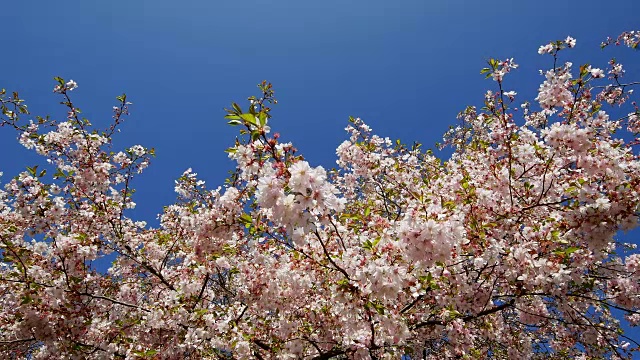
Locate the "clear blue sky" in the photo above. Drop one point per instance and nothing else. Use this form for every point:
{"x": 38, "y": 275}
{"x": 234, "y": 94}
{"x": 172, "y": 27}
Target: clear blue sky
{"x": 406, "y": 67}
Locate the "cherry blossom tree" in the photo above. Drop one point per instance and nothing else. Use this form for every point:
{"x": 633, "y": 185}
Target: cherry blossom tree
{"x": 505, "y": 250}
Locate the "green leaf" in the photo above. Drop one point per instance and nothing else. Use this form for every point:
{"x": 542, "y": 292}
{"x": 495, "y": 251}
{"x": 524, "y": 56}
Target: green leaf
{"x": 255, "y": 135}
{"x": 345, "y": 216}
{"x": 572, "y": 190}
{"x": 449, "y": 205}
{"x": 32, "y": 170}
{"x": 146, "y": 354}
{"x": 376, "y": 241}
{"x": 583, "y": 70}
{"x": 250, "y": 118}
{"x": 263, "y": 119}
{"x": 246, "y": 220}
{"x": 571, "y": 250}
{"x": 232, "y": 117}
{"x": 566, "y": 252}
{"x": 379, "y": 308}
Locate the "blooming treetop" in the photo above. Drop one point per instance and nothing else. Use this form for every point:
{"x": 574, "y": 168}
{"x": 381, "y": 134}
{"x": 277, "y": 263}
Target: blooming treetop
{"x": 505, "y": 250}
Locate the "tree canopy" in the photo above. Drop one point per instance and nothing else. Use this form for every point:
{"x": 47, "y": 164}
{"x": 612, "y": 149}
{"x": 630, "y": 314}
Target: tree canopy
{"x": 506, "y": 249}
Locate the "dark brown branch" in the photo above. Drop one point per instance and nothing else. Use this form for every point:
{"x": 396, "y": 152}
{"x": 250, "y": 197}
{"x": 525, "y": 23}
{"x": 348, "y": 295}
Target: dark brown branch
{"x": 326, "y": 253}
{"x": 493, "y": 310}
{"x": 204, "y": 286}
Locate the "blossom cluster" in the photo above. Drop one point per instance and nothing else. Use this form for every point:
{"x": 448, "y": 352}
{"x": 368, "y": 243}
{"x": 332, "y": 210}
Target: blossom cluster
{"x": 505, "y": 250}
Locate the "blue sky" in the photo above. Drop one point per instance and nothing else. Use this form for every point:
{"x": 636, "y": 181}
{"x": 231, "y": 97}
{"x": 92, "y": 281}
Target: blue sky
{"x": 406, "y": 67}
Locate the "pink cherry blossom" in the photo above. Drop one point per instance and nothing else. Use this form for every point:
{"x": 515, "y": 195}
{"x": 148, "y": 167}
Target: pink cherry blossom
{"x": 505, "y": 250}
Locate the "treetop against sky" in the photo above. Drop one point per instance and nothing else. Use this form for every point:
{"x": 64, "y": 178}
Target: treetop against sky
{"x": 511, "y": 239}
{"x": 507, "y": 249}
